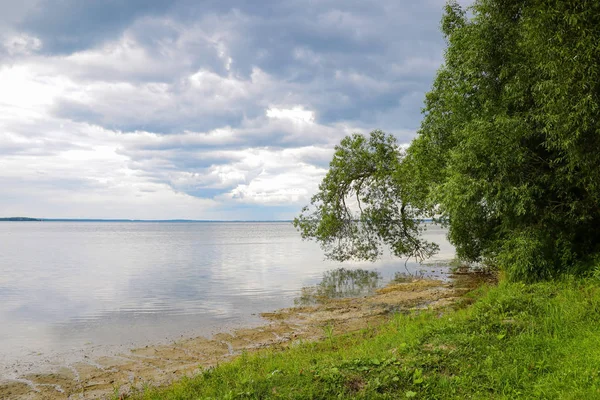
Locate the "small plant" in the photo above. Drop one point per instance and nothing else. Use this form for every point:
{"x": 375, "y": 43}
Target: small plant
{"x": 328, "y": 329}
{"x": 596, "y": 271}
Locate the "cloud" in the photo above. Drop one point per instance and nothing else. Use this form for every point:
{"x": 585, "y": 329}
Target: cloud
{"x": 21, "y": 45}
{"x": 296, "y": 115}
{"x": 71, "y": 25}
{"x": 213, "y": 109}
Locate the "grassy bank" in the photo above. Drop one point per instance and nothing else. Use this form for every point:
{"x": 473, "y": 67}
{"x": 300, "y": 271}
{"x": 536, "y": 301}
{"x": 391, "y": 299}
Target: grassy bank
{"x": 513, "y": 341}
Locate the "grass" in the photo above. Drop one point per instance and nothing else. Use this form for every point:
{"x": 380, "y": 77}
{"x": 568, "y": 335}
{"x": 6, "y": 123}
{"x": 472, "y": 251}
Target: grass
{"x": 539, "y": 341}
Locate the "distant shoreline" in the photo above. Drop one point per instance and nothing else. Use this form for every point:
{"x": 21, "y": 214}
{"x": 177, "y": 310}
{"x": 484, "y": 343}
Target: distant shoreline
{"x": 28, "y": 219}
{"x": 19, "y": 219}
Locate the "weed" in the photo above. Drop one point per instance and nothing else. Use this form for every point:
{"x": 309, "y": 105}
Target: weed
{"x": 328, "y": 329}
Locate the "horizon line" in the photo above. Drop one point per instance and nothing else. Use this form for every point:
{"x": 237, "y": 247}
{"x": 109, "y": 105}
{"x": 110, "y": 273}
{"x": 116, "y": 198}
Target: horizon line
{"x": 37, "y": 219}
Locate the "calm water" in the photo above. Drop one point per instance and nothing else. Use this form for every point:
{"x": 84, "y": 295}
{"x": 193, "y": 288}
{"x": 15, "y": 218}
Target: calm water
{"x": 69, "y": 288}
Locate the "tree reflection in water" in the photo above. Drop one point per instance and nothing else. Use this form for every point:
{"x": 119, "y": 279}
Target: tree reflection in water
{"x": 340, "y": 283}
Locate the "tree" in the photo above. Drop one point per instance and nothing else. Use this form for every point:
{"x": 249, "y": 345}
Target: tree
{"x": 363, "y": 203}
{"x": 508, "y": 152}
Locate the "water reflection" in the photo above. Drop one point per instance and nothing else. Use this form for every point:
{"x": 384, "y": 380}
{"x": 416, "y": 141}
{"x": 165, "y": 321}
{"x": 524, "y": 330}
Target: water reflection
{"x": 339, "y": 283}
{"x": 66, "y": 285}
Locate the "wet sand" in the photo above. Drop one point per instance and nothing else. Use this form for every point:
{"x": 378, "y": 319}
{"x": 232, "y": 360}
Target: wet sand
{"x": 102, "y": 377}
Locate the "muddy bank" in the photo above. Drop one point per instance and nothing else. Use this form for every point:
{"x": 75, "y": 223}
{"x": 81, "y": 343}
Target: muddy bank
{"x": 161, "y": 364}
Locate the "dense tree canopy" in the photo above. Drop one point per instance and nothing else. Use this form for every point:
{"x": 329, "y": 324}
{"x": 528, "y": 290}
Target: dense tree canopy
{"x": 508, "y": 152}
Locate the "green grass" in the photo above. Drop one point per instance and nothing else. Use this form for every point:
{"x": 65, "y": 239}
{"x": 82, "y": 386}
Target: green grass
{"x": 539, "y": 341}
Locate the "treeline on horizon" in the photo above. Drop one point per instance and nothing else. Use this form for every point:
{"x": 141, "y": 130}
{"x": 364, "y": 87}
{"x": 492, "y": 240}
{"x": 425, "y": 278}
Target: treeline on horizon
{"x": 507, "y": 155}
{"x": 20, "y": 219}
{"x": 132, "y": 220}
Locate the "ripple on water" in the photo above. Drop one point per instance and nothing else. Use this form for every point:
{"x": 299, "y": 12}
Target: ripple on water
{"x": 71, "y": 288}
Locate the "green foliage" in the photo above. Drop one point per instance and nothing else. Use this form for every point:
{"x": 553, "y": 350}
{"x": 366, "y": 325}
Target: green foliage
{"x": 512, "y": 128}
{"x": 364, "y": 202}
{"x": 536, "y": 341}
{"x": 508, "y": 152}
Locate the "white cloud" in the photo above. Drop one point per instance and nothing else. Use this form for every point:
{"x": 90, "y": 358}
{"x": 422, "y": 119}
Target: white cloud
{"x": 296, "y": 114}
{"x": 24, "y": 90}
{"x": 22, "y": 44}
{"x": 284, "y": 177}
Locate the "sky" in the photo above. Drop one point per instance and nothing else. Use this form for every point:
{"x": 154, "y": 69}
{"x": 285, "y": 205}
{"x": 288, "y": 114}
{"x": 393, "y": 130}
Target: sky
{"x": 211, "y": 109}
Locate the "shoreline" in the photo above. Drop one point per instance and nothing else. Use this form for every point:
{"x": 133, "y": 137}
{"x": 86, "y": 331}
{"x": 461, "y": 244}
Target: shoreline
{"x": 161, "y": 364}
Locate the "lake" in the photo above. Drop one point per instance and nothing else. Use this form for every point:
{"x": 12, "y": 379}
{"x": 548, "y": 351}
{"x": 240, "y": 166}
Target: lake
{"x": 70, "y": 289}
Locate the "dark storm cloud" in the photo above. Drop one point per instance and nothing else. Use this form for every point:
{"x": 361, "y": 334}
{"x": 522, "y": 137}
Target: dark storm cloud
{"x": 66, "y": 26}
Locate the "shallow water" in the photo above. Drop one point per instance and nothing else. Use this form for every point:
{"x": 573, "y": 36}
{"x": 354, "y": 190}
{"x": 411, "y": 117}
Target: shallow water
{"x": 72, "y": 288}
